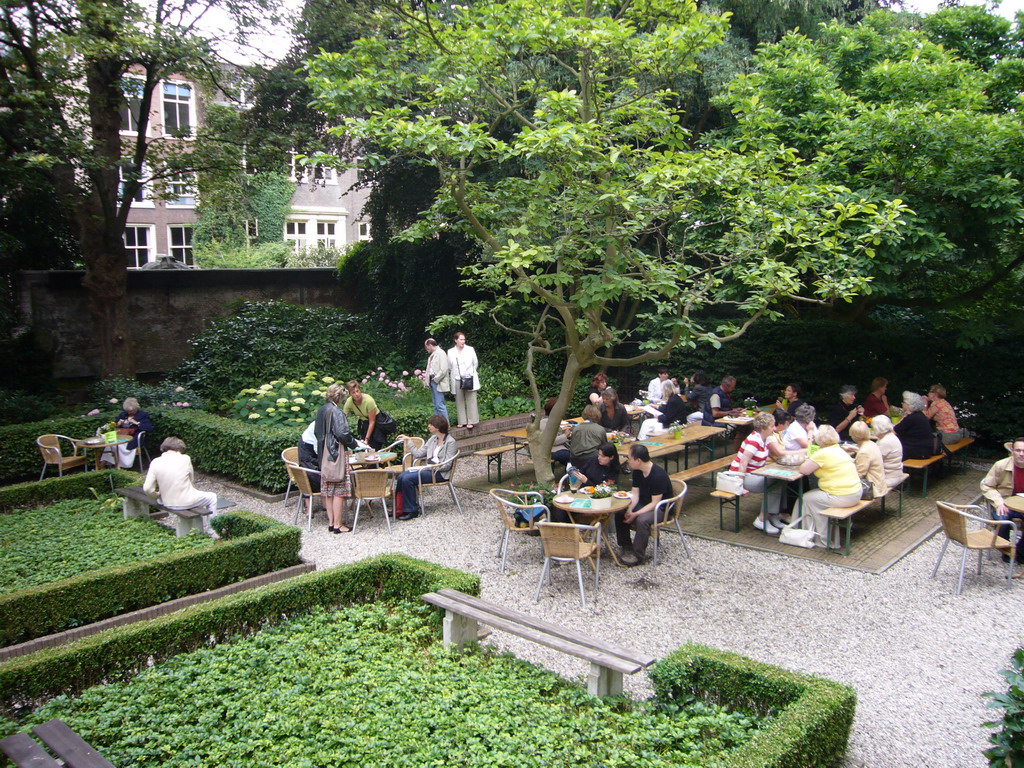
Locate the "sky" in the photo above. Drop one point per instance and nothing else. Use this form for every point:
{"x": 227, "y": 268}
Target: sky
{"x": 274, "y": 44}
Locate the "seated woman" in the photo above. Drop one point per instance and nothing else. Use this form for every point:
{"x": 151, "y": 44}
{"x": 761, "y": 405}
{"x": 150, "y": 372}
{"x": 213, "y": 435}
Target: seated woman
{"x": 439, "y": 450}
{"x": 890, "y": 447}
{"x": 613, "y": 413}
{"x": 171, "y": 479}
{"x": 801, "y": 431}
{"x": 845, "y": 412}
{"x": 752, "y": 455}
{"x": 792, "y": 396}
{"x": 838, "y": 481}
{"x": 130, "y": 421}
{"x": 603, "y": 467}
{"x": 598, "y": 385}
{"x": 876, "y": 403}
{"x": 673, "y": 411}
{"x": 940, "y": 412}
{"x": 782, "y": 420}
{"x": 869, "y": 459}
{"x": 914, "y": 430}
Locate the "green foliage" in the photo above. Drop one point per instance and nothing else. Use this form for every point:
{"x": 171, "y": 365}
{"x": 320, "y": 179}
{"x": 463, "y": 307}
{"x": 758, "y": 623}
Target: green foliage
{"x": 74, "y": 485}
{"x": 109, "y": 394}
{"x": 27, "y": 370}
{"x": 810, "y": 720}
{"x": 129, "y": 571}
{"x": 16, "y": 406}
{"x": 282, "y": 402}
{"x": 266, "y": 340}
{"x": 250, "y": 454}
{"x": 1007, "y": 750}
{"x": 217, "y": 254}
{"x": 48, "y": 544}
{"x": 122, "y": 652}
{"x": 22, "y": 459}
{"x": 315, "y": 256}
{"x": 356, "y": 669}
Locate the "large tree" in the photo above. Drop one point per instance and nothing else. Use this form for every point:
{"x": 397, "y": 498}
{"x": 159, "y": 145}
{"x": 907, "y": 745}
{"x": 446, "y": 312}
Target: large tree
{"x": 887, "y": 111}
{"x": 64, "y": 67}
{"x": 559, "y": 146}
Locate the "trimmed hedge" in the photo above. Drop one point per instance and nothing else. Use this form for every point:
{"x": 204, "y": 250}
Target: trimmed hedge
{"x": 22, "y": 459}
{"x": 77, "y": 485}
{"x": 810, "y": 720}
{"x": 29, "y": 680}
{"x": 247, "y": 453}
{"x": 260, "y": 545}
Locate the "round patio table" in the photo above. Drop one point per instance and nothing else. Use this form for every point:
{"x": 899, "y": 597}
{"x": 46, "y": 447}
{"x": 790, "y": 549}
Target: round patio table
{"x": 99, "y": 444}
{"x": 600, "y": 516}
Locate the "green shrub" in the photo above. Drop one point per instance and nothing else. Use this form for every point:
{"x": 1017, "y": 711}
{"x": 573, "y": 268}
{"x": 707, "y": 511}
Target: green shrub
{"x": 22, "y": 459}
{"x": 109, "y": 394}
{"x": 360, "y": 667}
{"x": 810, "y": 720}
{"x": 121, "y": 652}
{"x": 15, "y": 406}
{"x": 1008, "y": 741}
{"x": 216, "y": 254}
{"x": 74, "y": 485}
{"x": 269, "y": 340}
{"x": 247, "y": 453}
{"x": 263, "y": 545}
{"x": 282, "y": 402}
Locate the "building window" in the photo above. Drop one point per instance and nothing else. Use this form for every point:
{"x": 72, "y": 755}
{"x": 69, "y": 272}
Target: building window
{"x": 295, "y": 232}
{"x": 325, "y": 234}
{"x": 125, "y": 172}
{"x": 181, "y": 191}
{"x": 364, "y": 230}
{"x": 252, "y": 229}
{"x": 180, "y": 239}
{"x": 178, "y": 109}
{"x": 324, "y": 174}
{"x": 137, "y": 243}
{"x": 132, "y": 106}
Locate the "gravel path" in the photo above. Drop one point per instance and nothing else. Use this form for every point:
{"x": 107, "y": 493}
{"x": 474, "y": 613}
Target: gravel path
{"x": 918, "y": 656}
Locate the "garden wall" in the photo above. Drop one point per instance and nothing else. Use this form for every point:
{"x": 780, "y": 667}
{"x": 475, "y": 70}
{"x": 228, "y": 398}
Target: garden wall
{"x": 166, "y": 308}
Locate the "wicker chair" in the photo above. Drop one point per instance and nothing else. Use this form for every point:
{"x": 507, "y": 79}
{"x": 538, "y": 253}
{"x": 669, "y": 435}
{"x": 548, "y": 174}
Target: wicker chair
{"x": 436, "y": 480}
{"x": 300, "y": 477}
{"x": 49, "y": 447}
{"x": 289, "y": 456}
{"x": 371, "y": 484}
{"x": 667, "y": 512}
{"x": 407, "y": 458}
{"x": 955, "y": 519}
{"x": 564, "y": 543}
{"x": 510, "y": 502}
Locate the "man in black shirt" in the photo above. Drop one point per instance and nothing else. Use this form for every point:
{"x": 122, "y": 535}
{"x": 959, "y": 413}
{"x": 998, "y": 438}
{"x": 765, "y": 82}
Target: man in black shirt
{"x": 651, "y": 484}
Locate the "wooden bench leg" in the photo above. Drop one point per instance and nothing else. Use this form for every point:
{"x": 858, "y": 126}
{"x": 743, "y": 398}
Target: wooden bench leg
{"x": 459, "y": 630}
{"x": 134, "y": 508}
{"x": 604, "y": 681}
{"x": 497, "y": 460}
{"x": 736, "y": 510}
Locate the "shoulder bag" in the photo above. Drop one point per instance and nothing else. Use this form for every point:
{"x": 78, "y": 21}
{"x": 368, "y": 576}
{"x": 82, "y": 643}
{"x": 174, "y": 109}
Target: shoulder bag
{"x": 465, "y": 382}
{"x": 385, "y": 423}
{"x": 333, "y": 471}
{"x": 798, "y": 537}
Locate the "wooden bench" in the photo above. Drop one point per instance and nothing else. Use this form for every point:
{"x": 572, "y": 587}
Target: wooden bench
{"x": 956, "y": 447}
{"x": 67, "y": 745}
{"x": 843, "y": 516}
{"x": 494, "y": 456}
{"x": 898, "y": 487}
{"x": 924, "y": 464}
{"x": 724, "y": 497}
{"x": 137, "y": 503}
{"x": 608, "y": 662}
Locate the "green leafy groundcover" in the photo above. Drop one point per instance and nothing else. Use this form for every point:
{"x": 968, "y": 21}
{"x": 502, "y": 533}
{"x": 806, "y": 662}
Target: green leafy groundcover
{"x": 39, "y": 546}
{"x": 370, "y": 685}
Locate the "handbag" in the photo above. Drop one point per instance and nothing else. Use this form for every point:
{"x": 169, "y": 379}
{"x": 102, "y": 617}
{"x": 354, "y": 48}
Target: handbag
{"x": 465, "y": 382}
{"x": 797, "y": 537}
{"x": 333, "y": 471}
{"x": 385, "y": 422}
{"x": 126, "y": 431}
{"x": 731, "y": 482}
{"x": 867, "y": 491}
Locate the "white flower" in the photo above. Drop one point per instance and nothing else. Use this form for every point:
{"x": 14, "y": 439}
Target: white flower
{"x": 299, "y": 400}
{"x": 254, "y": 415}
{"x": 296, "y": 408}
{"x": 265, "y": 387}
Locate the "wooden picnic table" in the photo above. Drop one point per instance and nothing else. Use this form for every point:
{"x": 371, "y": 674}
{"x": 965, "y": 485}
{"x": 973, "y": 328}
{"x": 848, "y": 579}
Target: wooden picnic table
{"x": 775, "y": 472}
{"x": 664, "y": 445}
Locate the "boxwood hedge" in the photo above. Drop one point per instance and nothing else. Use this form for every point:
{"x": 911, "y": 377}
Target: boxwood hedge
{"x": 251, "y": 545}
{"x": 116, "y": 653}
{"x": 76, "y": 485}
{"x": 810, "y": 718}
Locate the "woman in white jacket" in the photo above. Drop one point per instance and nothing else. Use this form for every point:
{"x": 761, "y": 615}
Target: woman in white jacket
{"x": 462, "y": 364}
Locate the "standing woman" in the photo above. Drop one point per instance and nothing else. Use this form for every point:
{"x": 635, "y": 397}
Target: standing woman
{"x": 462, "y": 364}
{"x": 332, "y": 437}
{"x": 366, "y": 411}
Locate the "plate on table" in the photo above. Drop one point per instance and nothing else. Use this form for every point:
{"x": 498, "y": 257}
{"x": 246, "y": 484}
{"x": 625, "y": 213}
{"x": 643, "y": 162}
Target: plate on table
{"x": 620, "y": 495}
{"x": 586, "y": 490}
{"x": 564, "y": 499}
{"x": 94, "y": 441}
{"x": 371, "y": 457}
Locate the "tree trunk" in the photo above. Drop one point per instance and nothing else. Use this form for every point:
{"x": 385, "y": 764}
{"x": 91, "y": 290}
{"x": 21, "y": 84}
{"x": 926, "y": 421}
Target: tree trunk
{"x": 541, "y": 442}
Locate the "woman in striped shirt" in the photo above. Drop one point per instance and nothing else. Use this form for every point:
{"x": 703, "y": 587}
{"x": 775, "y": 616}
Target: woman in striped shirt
{"x": 752, "y": 455}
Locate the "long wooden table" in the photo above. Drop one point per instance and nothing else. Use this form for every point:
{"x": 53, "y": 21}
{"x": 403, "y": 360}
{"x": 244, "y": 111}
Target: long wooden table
{"x": 663, "y": 446}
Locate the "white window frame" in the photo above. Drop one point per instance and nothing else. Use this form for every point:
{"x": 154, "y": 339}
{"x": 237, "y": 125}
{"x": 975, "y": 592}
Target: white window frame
{"x": 146, "y": 201}
{"x": 187, "y": 182}
{"x": 299, "y": 240}
{"x": 133, "y": 250}
{"x": 129, "y": 131}
{"x": 323, "y": 237}
{"x": 188, "y": 254}
{"x": 363, "y": 230}
{"x": 191, "y": 104}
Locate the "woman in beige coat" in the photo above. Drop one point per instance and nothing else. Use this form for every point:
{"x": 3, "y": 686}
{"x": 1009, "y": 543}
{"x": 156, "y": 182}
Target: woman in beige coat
{"x": 869, "y": 458}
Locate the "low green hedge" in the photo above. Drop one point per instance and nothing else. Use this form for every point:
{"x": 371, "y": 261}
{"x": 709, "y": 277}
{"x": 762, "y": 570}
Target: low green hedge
{"x": 29, "y": 680}
{"x": 252, "y": 545}
{"x": 250, "y": 454}
{"x": 77, "y": 485}
{"x": 810, "y": 720}
{"x": 22, "y": 459}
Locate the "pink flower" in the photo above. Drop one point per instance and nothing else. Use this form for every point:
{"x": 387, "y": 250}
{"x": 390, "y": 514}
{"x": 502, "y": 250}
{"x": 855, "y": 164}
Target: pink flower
{"x": 93, "y": 412}
{"x": 366, "y": 379}
{"x": 184, "y": 405}
{"x": 405, "y": 373}
{"x": 112, "y": 400}
{"x": 179, "y": 389}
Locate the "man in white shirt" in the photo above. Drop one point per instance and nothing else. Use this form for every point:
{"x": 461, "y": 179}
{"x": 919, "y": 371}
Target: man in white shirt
{"x": 170, "y": 477}
{"x": 654, "y": 388}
